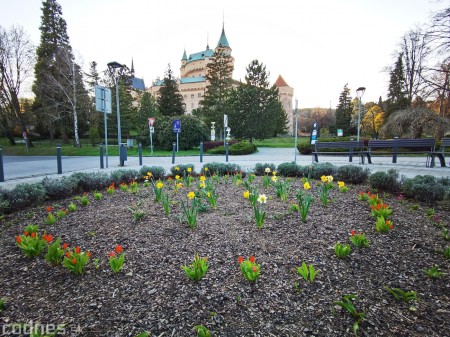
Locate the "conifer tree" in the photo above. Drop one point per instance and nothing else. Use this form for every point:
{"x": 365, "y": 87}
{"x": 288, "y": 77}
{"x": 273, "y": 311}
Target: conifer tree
{"x": 344, "y": 111}
{"x": 170, "y": 101}
{"x": 218, "y": 77}
{"x": 396, "y": 97}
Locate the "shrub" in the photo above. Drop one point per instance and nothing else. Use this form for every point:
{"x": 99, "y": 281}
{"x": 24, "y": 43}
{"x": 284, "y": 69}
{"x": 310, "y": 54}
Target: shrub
{"x": 60, "y": 188}
{"x": 304, "y": 148}
{"x": 212, "y": 145}
{"x": 424, "y": 188}
{"x": 124, "y": 176}
{"x": 305, "y": 171}
{"x": 92, "y": 181}
{"x": 193, "y": 131}
{"x": 181, "y": 169}
{"x": 158, "y": 172}
{"x": 386, "y": 181}
{"x": 4, "y": 203}
{"x": 24, "y": 195}
{"x": 222, "y": 168}
{"x": 322, "y": 169}
{"x": 235, "y": 149}
{"x": 260, "y": 169}
{"x": 288, "y": 169}
{"x": 352, "y": 174}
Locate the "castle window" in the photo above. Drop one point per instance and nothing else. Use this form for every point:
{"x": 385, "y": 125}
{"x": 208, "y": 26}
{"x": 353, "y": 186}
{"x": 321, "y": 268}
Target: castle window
{"x": 192, "y": 96}
{"x": 185, "y": 96}
{"x": 199, "y": 94}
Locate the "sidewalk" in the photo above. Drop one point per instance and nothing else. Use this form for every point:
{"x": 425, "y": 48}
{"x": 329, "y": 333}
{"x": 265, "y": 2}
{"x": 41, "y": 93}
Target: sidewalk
{"x": 37, "y": 169}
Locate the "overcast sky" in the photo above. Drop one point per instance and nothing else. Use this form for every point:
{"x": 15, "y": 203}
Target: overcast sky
{"x": 317, "y": 46}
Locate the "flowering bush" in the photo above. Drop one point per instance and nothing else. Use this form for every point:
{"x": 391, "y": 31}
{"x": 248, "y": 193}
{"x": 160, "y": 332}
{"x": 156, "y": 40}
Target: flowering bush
{"x": 116, "y": 261}
{"x": 342, "y": 187}
{"x": 197, "y": 269}
{"x": 98, "y": 195}
{"x": 363, "y": 196}
{"x": 62, "y": 213}
{"x": 190, "y": 212}
{"x": 123, "y": 187}
{"x": 30, "y": 244}
{"x": 158, "y": 188}
{"x": 84, "y": 200}
{"x": 382, "y": 225}
{"x": 76, "y": 260}
{"x": 359, "y": 240}
{"x": 381, "y": 210}
{"x": 260, "y": 214}
{"x": 50, "y": 220}
{"x": 249, "y": 268}
{"x": 55, "y": 252}
{"x": 111, "y": 189}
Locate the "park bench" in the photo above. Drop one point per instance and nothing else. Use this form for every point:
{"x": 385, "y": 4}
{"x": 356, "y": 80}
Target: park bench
{"x": 398, "y": 146}
{"x": 445, "y": 143}
{"x": 347, "y": 148}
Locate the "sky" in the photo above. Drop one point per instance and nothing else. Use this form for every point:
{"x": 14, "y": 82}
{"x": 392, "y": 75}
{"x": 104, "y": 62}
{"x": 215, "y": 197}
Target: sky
{"x": 316, "y": 46}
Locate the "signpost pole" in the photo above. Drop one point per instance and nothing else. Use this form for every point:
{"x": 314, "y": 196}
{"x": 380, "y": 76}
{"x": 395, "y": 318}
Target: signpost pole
{"x": 177, "y": 141}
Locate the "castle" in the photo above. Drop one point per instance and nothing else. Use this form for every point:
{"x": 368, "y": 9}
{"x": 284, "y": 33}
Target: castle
{"x": 192, "y": 83}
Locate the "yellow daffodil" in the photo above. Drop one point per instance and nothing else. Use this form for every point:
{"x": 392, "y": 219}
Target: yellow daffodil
{"x": 177, "y": 177}
{"x": 202, "y": 178}
{"x": 329, "y": 178}
{"x": 159, "y": 185}
{"x": 191, "y": 195}
{"x": 306, "y": 186}
{"x": 177, "y": 168}
{"x": 274, "y": 173}
{"x": 179, "y": 185}
{"x": 341, "y": 184}
{"x": 189, "y": 170}
{"x": 208, "y": 194}
{"x": 262, "y": 199}
{"x": 205, "y": 169}
{"x": 274, "y": 179}
{"x": 149, "y": 174}
{"x": 201, "y": 185}
{"x": 324, "y": 179}
{"x": 246, "y": 194}
{"x": 267, "y": 170}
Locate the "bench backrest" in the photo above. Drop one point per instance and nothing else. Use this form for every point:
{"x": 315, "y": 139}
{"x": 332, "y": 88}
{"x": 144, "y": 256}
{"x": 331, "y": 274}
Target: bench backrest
{"x": 351, "y": 144}
{"x": 403, "y": 143}
{"x": 445, "y": 142}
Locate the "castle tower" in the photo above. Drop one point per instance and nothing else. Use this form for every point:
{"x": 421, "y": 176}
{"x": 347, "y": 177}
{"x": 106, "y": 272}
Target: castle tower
{"x": 285, "y": 95}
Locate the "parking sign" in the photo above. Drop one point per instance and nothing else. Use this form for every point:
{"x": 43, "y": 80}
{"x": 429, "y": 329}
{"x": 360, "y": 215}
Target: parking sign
{"x": 176, "y": 126}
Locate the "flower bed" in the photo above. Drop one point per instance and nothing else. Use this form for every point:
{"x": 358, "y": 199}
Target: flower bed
{"x": 152, "y": 293}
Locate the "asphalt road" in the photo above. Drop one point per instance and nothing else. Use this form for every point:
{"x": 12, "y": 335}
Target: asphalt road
{"x": 28, "y": 169}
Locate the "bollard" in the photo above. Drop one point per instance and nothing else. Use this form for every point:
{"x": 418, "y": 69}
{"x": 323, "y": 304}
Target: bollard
{"x": 140, "y": 154}
{"x": 226, "y": 152}
{"x": 101, "y": 156}
{"x": 174, "y": 147}
{"x": 2, "y": 175}
{"x": 201, "y": 152}
{"x": 58, "y": 158}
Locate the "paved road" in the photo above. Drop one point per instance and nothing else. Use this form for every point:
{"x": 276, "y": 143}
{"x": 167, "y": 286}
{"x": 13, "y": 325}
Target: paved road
{"x": 32, "y": 169}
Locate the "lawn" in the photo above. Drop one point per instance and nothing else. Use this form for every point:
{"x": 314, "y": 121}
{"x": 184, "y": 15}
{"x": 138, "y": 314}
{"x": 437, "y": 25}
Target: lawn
{"x": 152, "y": 293}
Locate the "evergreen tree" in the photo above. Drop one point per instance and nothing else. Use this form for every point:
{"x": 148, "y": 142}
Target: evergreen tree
{"x": 58, "y": 85}
{"x": 170, "y": 101}
{"x": 147, "y": 108}
{"x": 218, "y": 77}
{"x": 344, "y": 111}
{"x": 396, "y": 97}
{"x": 254, "y": 108}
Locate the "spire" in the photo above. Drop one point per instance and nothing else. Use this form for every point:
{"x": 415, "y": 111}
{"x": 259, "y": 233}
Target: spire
{"x": 207, "y": 40}
{"x": 280, "y": 82}
{"x": 223, "y": 42}
{"x": 132, "y": 67}
{"x": 184, "y": 58}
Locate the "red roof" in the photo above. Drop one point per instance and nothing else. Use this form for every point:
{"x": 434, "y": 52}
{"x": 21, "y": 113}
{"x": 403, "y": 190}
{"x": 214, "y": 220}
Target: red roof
{"x": 280, "y": 82}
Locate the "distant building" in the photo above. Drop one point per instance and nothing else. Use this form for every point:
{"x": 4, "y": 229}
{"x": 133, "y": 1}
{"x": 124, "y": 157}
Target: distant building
{"x": 192, "y": 83}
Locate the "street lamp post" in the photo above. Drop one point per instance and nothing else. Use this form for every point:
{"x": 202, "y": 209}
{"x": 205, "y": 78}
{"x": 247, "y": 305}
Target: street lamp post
{"x": 115, "y": 68}
{"x": 359, "y": 92}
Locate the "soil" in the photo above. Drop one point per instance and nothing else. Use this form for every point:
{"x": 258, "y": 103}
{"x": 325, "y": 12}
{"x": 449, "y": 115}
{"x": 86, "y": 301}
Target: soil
{"x": 152, "y": 293}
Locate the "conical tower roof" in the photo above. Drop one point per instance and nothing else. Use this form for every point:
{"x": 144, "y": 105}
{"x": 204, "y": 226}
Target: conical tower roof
{"x": 223, "y": 42}
{"x": 184, "y": 58}
{"x": 280, "y": 82}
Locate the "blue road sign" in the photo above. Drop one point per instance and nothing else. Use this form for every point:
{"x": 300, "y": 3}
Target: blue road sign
{"x": 176, "y": 126}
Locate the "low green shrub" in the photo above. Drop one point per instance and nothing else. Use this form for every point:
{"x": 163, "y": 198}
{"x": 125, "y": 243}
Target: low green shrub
{"x": 222, "y": 169}
{"x": 235, "y": 149}
{"x": 158, "y": 172}
{"x": 352, "y": 174}
{"x": 124, "y": 176}
{"x": 322, "y": 169}
{"x": 60, "y": 188}
{"x": 182, "y": 169}
{"x": 386, "y": 181}
{"x": 288, "y": 169}
{"x": 92, "y": 181}
{"x": 24, "y": 195}
{"x": 305, "y": 148}
{"x": 4, "y": 202}
{"x": 425, "y": 188}
{"x": 260, "y": 169}
{"x": 212, "y": 145}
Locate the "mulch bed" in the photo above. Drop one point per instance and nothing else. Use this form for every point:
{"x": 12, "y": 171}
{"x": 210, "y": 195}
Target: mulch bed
{"x": 153, "y": 294}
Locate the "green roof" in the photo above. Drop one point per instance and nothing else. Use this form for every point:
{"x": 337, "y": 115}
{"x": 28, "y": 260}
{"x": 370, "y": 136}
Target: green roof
{"x": 223, "y": 42}
{"x": 201, "y": 55}
{"x": 192, "y": 79}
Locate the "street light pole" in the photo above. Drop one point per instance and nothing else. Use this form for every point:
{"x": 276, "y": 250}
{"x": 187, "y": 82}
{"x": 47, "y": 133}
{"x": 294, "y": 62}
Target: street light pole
{"x": 296, "y": 129}
{"x": 115, "y": 68}
{"x": 359, "y": 92}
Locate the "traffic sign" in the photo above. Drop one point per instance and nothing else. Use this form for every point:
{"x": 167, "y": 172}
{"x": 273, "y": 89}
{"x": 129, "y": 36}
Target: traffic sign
{"x": 151, "y": 121}
{"x": 225, "y": 121}
{"x": 152, "y": 129}
{"x": 176, "y": 126}
{"x": 102, "y": 99}
{"x": 24, "y": 134}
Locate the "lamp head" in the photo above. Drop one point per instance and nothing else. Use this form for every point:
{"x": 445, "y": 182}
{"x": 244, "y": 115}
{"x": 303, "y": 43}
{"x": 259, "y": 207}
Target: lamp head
{"x": 360, "y": 92}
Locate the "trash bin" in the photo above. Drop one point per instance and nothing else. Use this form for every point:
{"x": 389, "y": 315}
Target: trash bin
{"x": 123, "y": 153}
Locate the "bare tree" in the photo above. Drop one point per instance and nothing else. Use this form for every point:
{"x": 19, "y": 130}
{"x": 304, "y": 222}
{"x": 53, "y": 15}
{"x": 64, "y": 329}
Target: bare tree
{"x": 415, "y": 49}
{"x": 16, "y": 65}
{"x": 439, "y": 32}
